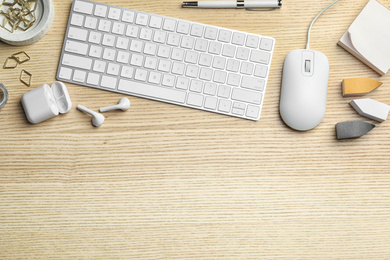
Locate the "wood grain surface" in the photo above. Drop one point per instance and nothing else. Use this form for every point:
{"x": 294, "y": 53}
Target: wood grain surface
{"x": 167, "y": 182}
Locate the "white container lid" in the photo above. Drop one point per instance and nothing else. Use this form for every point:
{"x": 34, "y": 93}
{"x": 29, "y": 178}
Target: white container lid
{"x": 61, "y": 97}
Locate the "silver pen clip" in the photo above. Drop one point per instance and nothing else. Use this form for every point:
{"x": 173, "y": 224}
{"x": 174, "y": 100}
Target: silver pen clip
{"x": 264, "y": 8}
{"x": 261, "y": 9}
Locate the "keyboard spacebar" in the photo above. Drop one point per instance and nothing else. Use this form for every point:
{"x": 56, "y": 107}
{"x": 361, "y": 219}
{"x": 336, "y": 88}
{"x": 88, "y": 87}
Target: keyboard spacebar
{"x": 138, "y": 88}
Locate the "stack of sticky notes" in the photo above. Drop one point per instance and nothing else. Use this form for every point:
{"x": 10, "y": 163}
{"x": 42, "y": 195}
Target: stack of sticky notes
{"x": 368, "y": 37}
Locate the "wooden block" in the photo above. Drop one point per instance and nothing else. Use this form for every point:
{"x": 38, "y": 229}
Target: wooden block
{"x": 371, "y": 108}
{"x": 359, "y": 86}
{"x": 353, "y": 129}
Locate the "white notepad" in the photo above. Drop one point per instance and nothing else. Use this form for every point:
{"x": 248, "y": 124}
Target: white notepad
{"x": 368, "y": 37}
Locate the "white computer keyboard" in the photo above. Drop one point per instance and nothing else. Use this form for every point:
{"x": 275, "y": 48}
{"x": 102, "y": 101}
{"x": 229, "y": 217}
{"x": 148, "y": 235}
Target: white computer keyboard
{"x": 166, "y": 59}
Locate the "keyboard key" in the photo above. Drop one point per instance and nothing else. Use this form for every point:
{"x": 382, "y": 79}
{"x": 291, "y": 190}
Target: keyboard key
{"x": 152, "y": 91}
{"x": 252, "y": 83}
{"x": 247, "y": 68}
{"x": 155, "y": 77}
{"x": 108, "y": 40}
{"x": 79, "y": 76}
{"x": 201, "y": 45}
{"x": 91, "y": 23}
{"x": 77, "y": 34}
{"x": 168, "y": 80}
{"x": 100, "y": 10}
{"x": 187, "y": 42}
{"x": 83, "y": 7}
{"x": 76, "y": 47}
{"x": 196, "y": 86}
{"x": 266, "y": 44}
{"x": 233, "y": 79}
{"x": 146, "y": 34}
{"x": 252, "y": 111}
{"x": 173, "y": 39}
{"x": 104, "y": 25}
{"x": 128, "y": 16}
{"x": 225, "y": 105}
{"x": 238, "y": 38}
{"x": 137, "y": 60}
{"x": 191, "y": 57}
{"x": 206, "y": 74}
{"x": 122, "y": 43}
{"x": 113, "y": 69}
{"x": 136, "y": 46}
{"x": 65, "y": 73}
{"x": 142, "y": 19}
{"x": 77, "y": 20}
{"x": 192, "y": 71}
{"x": 76, "y": 61}
{"x": 220, "y": 76}
{"x": 197, "y": 30}
{"x": 215, "y": 48}
{"x": 224, "y": 91}
{"x": 127, "y": 72}
{"x": 182, "y": 83}
{"x": 93, "y": 79}
{"x": 150, "y": 63}
{"x": 252, "y": 41}
{"x": 132, "y": 31}
{"x": 195, "y": 100}
{"x": 155, "y": 22}
{"x": 205, "y": 60}
{"x": 246, "y": 96}
{"x": 211, "y": 33}
{"x": 150, "y": 48}
{"x": 109, "y": 54}
{"x": 224, "y": 36}
{"x": 159, "y": 37}
{"x": 178, "y": 68}
{"x": 109, "y": 82}
{"x": 210, "y": 89}
{"x": 260, "y": 56}
{"x": 183, "y": 27}
{"x": 140, "y": 74}
{"x": 260, "y": 71}
{"x": 211, "y": 103}
{"x": 233, "y": 65}
{"x": 95, "y": 37}
{"x": 95, "y": 51}
{"x": 118, "y": 28}
{"x": 169, "y": 25}
{"x": 114, "y": 13}
{"x": 99, "y": 66}
{"x": 242, "y": 53}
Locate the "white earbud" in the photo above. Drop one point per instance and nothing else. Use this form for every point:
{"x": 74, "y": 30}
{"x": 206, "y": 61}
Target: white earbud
{"x": 124, "y": 104}
{"x": 97, "y": 118}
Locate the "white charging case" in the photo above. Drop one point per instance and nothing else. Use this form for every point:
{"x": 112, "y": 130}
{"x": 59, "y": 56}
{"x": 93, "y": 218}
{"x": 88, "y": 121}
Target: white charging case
{"x": 46, "y": 102}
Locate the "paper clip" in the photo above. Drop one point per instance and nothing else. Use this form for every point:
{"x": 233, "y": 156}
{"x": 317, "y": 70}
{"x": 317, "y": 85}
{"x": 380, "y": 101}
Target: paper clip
{"x": 7, "y": 66}
{"x": 28, "y": 84}
{"x": 17, "y": 58}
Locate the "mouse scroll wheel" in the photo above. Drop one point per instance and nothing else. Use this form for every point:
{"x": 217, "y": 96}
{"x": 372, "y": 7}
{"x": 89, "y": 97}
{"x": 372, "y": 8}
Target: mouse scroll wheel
{"x": 307, "y": 65}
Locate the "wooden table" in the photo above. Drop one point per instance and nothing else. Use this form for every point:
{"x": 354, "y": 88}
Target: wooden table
{"x": 167, "y": 182}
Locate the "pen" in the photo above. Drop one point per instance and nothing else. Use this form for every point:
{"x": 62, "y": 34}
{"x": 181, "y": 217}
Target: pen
{"x": 235, "y": 4}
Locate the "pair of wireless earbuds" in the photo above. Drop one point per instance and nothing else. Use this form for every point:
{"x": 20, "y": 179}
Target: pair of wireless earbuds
{"x": 97, "y": 118}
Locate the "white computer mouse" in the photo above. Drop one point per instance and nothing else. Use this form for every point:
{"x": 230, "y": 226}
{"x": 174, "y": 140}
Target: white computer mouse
{"x": 304, "y": 89}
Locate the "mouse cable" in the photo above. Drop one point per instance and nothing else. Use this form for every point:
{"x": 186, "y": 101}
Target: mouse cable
{"x": 311, "y": 25}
